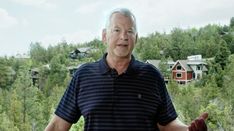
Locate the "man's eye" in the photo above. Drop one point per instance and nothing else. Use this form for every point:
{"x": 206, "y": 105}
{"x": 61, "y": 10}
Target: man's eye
{"x": 130, "y": 31}
{"x": 116, "y": 30}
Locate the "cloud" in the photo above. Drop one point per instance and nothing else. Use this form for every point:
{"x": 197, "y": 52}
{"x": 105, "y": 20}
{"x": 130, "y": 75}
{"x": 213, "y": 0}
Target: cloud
{"x": 6, "y": 20}
{"x": 164, "y": 15}
{"x": 88, "y": 8}
{"x": 25, "y": 22}
{"x": 37, "y": 3}
{"x": 74, "y": 38}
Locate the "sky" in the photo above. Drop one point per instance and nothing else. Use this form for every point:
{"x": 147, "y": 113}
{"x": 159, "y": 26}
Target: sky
{"x": 49, "y": 22}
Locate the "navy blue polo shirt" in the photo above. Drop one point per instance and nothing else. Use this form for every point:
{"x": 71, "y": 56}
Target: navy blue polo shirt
{"x": 134, "y": 100}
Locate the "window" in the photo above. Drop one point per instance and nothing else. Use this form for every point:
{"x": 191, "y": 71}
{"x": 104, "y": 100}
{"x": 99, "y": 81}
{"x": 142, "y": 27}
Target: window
{"x": 198, "y": 67}
{"x": 178, "y": 67}
{"x": 170, "y": 67}
{"x": 178, "y": 75}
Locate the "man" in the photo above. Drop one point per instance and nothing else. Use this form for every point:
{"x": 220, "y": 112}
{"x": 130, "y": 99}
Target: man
{"x": 119, "y": 92}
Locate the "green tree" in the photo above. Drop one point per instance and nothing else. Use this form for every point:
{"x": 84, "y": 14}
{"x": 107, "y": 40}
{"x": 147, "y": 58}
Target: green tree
{"x": 164, "y": 69}
{"x": 182, "y": 44}
{"x": 219, "y": 116}
{"x": 222, "y": 54}
{"x": 228, "y": 84}
{"x": 98, "y": 49}
{"x": 15, "y": 112}
{"x": 79, "y": 126}
{"x": 232, "y": 22}
{"x": 6, "y": 124}
{"x": 5, "y": 73}
{"x": 206, "y": 41}
{"x": 151, "y": 46}
{"x": 38, "y": 54}
{"x": 26, "y": 96}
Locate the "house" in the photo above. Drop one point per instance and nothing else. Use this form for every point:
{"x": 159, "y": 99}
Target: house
{"x": 193, "y": 68}
{"x": 80, "y": 53}
{"x": 157, "y": 63}
{"x": 35, "y": 73}
{"x": 184, "y": 71}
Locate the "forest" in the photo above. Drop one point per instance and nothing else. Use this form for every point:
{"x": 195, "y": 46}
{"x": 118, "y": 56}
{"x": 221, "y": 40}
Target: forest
{"x": 27, "y": 103}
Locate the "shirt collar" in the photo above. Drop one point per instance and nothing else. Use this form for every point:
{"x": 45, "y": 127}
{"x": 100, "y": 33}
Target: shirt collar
{"x": 104, "y": 68}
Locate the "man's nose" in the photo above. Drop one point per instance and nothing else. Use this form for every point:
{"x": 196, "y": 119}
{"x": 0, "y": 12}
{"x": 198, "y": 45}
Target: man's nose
{"x": 124, "y": 36}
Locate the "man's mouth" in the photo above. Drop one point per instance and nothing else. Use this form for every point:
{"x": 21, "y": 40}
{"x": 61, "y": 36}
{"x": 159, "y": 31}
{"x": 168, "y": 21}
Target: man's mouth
{"x": 122, "y": 45}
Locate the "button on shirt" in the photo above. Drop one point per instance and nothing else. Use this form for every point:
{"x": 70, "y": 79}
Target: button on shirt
{"x": 135, "y": 100}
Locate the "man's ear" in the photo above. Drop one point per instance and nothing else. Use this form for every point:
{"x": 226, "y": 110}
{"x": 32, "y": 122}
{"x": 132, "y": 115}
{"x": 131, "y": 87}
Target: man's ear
{"x": 104, "y": 35}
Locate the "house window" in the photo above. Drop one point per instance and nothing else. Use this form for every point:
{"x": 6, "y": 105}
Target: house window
{"x": 198, "y": 67}
{"x": 178, "y": 75}
{"x": 170, "y": 67}
{"x": 178, "y": 67}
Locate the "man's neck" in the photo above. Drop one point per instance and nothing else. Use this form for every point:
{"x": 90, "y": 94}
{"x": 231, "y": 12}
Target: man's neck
{"x": 118, "y": 63}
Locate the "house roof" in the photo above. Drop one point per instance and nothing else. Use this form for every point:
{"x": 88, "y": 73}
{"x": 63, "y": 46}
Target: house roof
{"x": 197, "y": 62}
{"x": 84, "y": 49}
{"x": 184, "y": 64}
{"x": 204, "y": 68}
{"x": 156, "y": 62}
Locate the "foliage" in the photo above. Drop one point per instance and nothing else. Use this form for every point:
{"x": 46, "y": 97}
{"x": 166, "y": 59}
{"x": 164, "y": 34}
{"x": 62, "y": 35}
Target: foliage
{"x": 38, "y": 53}
{"x": 151, "y": 47}
{"x": 6, "y": 73}
{"x": 222, "y": 54}
{"x": 79, "y": 126}
{"x": 28, "y": 107}
{"x": 232, "y": 22}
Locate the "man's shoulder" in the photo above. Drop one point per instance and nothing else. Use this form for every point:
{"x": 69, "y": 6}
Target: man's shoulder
{"x": 91, "y": 68}
{"x": 147, "y": 68}
{"x": 89, "y": 65}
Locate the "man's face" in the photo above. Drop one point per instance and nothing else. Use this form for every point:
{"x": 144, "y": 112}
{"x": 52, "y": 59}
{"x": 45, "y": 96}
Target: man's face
{"x": 120, "y": 36}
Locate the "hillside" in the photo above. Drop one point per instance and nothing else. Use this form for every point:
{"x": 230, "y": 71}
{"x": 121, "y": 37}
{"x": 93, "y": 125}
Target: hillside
{"x": 30, "y": 88}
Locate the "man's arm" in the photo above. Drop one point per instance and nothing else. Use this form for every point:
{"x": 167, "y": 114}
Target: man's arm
{"x": 58, "y": 124}
{"x": 176, "y": 125}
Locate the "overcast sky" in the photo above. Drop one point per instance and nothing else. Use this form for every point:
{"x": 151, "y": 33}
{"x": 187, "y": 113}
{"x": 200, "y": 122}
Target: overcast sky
{"x": 78, "y": 21}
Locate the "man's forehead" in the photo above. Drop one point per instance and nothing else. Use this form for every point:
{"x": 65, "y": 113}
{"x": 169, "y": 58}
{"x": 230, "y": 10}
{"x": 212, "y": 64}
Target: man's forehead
{"x": 117, "y": 26}
{"x": 118, "y": 14}
{"x": 120, "y": 19}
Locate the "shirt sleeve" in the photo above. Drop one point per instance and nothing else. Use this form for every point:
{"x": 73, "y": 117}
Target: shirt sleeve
{"x": 167, "y": 112}
{"x": 68, "y": 108}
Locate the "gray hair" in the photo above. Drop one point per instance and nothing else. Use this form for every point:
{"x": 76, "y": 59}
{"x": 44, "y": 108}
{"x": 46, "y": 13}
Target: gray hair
{"x": 124, "y": 11}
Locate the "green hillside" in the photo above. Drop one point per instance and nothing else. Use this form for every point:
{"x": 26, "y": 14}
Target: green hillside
{"x": 30, "y": 88}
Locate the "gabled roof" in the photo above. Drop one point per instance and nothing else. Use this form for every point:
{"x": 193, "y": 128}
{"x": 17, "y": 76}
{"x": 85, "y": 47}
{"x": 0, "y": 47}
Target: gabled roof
{"x": 184, "y": 64}
{"x": 204, "y": 68}
{"x": 187, "y": 63}
{"x": 84, "y": 49}
{"x": 156, "y": 62}
{"x": 199, "y": 62}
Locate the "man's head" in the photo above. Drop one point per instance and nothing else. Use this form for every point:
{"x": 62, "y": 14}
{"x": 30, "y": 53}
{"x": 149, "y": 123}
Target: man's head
{"x": 120, "y": 33}
{"x": 124, "y": 11}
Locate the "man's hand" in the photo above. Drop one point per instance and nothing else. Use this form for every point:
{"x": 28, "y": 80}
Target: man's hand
{"x": 199, "y": 123}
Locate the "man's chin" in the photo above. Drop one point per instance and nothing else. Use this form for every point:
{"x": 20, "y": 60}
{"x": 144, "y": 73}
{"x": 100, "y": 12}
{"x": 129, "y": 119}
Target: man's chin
{"x": 123, "y": 55}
